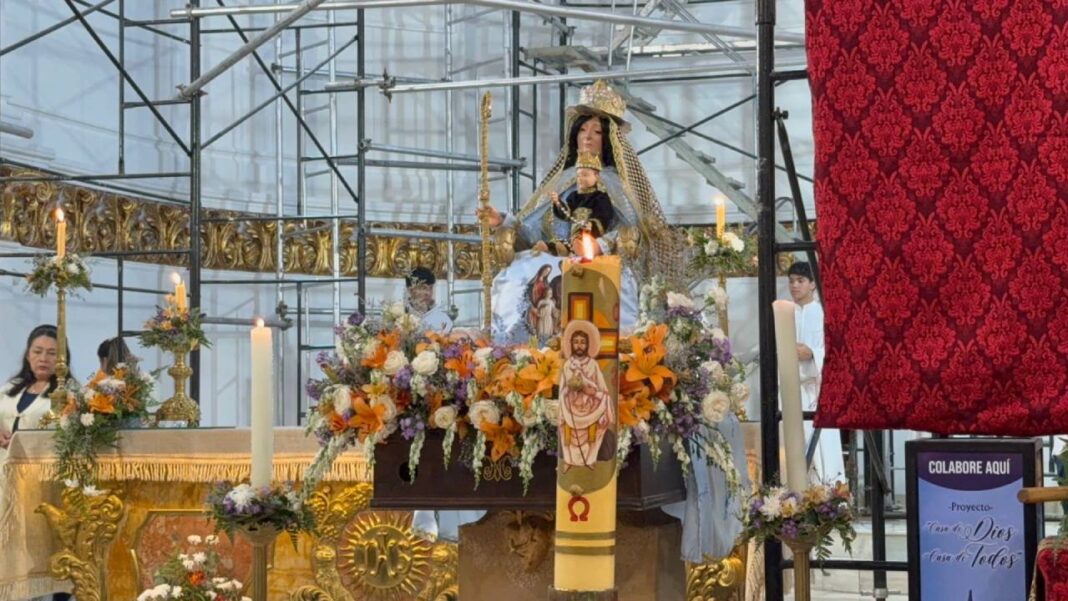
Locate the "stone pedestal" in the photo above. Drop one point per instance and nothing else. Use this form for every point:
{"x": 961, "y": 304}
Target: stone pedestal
{"x": 508, "y": 555}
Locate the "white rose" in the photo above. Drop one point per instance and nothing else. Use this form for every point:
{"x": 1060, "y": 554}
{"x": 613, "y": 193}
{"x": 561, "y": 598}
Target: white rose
{"x": 342, "y": 399}
{"x": 483, "y": 411}
{"x": 193, "y": 539}
{"x": 395, "y": 361}
{"x": 674, "y": 299}
{"x": 87, "y": 419}
{"x": 444, "y": 417}
{"x": 482, "y": 357}
{"x": 714, "y": 407}
{"x": 551, "y": 409}
{"x": 714, "y": 369}
{"x": 711, "y": 247}
{"x": 718, "y": 296}
{"x": 732, "y": 240}
{"x": 383, "y": 400}
{"x": 426, "y": 363}
{"x": 739, "y": 393}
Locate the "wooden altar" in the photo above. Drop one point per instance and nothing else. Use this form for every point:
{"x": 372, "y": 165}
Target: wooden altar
{"x": 156, "y": 482}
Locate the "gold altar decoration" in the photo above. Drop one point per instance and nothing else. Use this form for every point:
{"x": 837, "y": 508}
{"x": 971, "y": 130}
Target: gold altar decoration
{"x": 374, "y": 554}
{"x": 717, "y": 580}
{"x": 108, "y": 222}
{"x": 261, "y": 537}
{"x": 85, "y": 525}
{"x": 179, "y": 408}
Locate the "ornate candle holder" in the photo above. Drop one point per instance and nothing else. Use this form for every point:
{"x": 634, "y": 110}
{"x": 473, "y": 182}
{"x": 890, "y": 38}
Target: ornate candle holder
{"x": 180, "y": 407}
{"x": 801, "y": 548}
{"x": 260, "y": 537}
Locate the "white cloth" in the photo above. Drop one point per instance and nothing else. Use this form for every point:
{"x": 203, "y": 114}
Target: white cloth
{"x": 436, "y": 319}
{"x": 30, "y": 419}
{"x": 827, "y": 462}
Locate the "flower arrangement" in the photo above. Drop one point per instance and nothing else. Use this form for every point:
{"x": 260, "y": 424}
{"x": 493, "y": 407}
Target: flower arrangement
{"x": 174, "y": 330}
{"x": 810, "y": 516}
{"x": 497, "y": 402}
{"x": 734, "y": 252}
{"x": 387, "y": 375}
{"x": 680, "y": 380}
{"x": 93, "y": 416}
{"x": 68, "y": 272}
{"x": 237, "y": 507}
{"x": 192, "y": 574}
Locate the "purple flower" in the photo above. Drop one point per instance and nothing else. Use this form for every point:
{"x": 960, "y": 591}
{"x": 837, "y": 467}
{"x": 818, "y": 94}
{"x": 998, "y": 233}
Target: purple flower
{"x": 452, "y": 351}
{"x": 355, "y": 319}
{"x": 499, "y": 352}
{"x": 461, "y": 391}
{"x": 789, "y": 529}
{"x": 313, "y": 390}
{"x": 403, "y": 379}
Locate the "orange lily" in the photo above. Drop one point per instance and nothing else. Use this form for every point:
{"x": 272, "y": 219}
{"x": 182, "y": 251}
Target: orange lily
{"x": 655, "y": 335}
{"x": 635, "y": 408}
{"x": 378, "y": 359}
{"x": 544, "y": 371}
{"x": 97, "y": 378}
{"x": 503, "y": 380}
{"x": 376, "y": 389}
{"x": 336, "y": 423}
{"x": 367, "y": 419}
{"x": 501, "y": 436}
{"x": 102, "y": 403}
{"x": 462, "y": 365}
{"x": 434, "y": 401}
{"x": 645, "y": 365}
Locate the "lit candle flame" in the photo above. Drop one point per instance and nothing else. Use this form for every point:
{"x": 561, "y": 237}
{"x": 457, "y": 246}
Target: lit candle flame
{"x": 59, "y": 214}
{"x": 587, "y": 246}
{"x": 259, "y": 322}
{"x": 175, "y": 278}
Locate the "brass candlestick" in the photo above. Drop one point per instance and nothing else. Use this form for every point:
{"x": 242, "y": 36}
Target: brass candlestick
{"x": 179, "y": 408}
{"x": 802, "y": 568}
{"x": 59, "y": 395}
{"x": 261, "y": 538}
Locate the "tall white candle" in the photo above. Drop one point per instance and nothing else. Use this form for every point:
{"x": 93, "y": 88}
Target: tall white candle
{"x": 179, "y": 291}
{"x": 262, "y": 393}
{"x": 790, "y": 393}
{"x": 61, "y": 234}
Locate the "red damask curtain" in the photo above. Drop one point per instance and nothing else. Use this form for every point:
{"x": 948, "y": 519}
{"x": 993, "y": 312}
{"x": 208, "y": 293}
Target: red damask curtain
{"x": 941, "y": 140}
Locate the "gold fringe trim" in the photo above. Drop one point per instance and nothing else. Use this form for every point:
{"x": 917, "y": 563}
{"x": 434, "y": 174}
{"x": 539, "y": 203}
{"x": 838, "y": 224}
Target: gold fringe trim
{"x": 198, "y": 468}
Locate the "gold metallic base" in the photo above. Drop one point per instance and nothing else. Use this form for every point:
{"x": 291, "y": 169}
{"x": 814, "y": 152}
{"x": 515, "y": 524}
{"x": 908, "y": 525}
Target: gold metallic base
{"x": 179, "y": 408}
{"x": 85, "y": 527}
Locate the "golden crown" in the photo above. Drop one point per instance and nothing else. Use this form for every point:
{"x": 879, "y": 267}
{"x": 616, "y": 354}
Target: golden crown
{"x": 601, "y": 97}
{"x": 588, "y": 160}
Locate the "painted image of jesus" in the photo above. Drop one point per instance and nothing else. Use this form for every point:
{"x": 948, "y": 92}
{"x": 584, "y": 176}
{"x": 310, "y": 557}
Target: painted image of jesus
{"x": 587, "y": 418}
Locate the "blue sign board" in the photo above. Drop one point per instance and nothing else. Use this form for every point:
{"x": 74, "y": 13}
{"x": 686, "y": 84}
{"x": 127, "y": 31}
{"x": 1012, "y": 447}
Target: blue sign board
{"x": 970, "y": 539}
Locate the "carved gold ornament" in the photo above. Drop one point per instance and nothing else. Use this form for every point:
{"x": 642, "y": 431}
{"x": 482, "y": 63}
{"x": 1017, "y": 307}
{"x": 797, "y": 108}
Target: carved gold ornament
{"x": 373, "y": 555}
{"x": 85, "y": 525}
{"x": 717, "y": 580}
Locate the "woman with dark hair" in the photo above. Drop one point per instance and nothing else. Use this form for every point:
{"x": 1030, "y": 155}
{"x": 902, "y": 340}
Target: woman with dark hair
{"x": 113, "y": 352}
{"x": 24, "y": 398}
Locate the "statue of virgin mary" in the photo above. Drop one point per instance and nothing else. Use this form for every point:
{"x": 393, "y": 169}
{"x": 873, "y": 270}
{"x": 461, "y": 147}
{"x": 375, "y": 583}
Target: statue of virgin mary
{"x": 530, "y": 241}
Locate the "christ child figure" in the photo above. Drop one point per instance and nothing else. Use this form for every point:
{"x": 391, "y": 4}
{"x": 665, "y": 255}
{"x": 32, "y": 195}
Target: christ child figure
{"x": 588, "y": 207}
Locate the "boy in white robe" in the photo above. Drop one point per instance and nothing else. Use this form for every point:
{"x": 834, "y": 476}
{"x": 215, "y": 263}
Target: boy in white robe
{"x": 827, "y": 462}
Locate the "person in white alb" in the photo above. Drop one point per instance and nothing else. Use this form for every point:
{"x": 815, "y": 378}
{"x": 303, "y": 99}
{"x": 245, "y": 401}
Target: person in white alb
{"x": 827, "y": 462}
